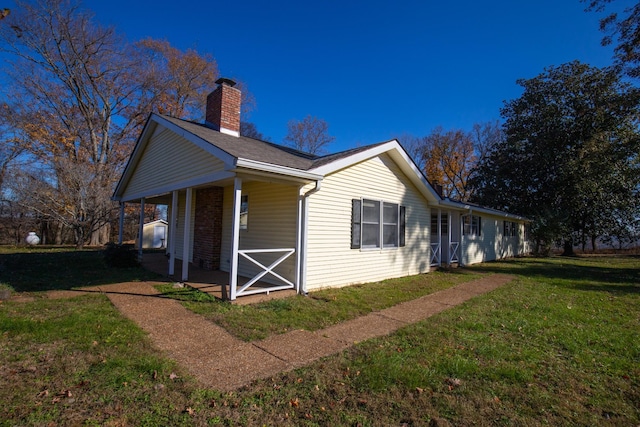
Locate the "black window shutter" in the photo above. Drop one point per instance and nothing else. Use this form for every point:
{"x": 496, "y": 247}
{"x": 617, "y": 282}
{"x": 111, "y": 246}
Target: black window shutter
{"x": 479, "y": 226}
{"x": 403, "y": 222}
{"x": 356, "y": 212}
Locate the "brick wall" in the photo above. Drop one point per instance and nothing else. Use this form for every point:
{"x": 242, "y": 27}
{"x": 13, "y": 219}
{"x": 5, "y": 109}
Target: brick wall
{"x": 207, "y": 236}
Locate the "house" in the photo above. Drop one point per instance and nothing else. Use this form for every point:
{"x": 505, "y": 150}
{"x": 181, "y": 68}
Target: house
{"x": 270, "y": 214}
{"x": 154, "y": 235}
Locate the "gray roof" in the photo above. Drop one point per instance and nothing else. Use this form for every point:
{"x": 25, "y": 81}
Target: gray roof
{"x": 262, "y": 151}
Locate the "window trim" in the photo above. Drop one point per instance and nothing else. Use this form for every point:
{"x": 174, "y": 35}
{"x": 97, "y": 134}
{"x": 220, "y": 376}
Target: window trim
{"x": 468, "y": 220}
{"x": 357, "y": 225}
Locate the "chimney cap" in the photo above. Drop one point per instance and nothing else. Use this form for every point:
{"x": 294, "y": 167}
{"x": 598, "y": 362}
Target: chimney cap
{"x": 225, "y": 81}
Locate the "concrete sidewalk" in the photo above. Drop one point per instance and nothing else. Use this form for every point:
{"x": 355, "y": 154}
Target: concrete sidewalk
{"x": 221, "y": 361}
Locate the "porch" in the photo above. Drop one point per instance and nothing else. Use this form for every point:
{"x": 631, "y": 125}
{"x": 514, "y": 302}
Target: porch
{"x": 446, "y": 236}
{"x": 212, "y": 281}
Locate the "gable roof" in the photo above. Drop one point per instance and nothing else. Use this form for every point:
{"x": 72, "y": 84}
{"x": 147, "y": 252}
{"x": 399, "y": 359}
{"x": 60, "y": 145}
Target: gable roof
{"x": 250, "y": 153}
{"x": 243, "y": 147}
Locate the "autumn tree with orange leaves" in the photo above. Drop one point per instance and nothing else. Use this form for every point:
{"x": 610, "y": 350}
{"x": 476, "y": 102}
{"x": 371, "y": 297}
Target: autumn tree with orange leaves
{"x": 78, "y": 96}
{"x": 449, "y": 157}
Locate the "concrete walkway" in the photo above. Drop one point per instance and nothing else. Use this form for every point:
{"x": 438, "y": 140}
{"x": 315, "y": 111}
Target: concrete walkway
{"x": 221, "y": 361}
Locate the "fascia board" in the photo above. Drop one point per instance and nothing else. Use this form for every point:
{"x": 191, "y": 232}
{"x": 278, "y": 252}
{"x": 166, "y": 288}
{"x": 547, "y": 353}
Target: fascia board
{"x": 226, "y": 158}
{"x": 398, "y": 154}
{"x": 147, "y": 132}
{"x": 280, "y": 170}
{"x": 138, "y": 149}
{"x": 461, "y": 206}
{"x": 345, "y": 162}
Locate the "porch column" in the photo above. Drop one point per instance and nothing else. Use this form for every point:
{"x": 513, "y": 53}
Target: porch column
{"x": 439, "y": 237}
{"x": 121, "y": 223}
{"x": 235, "y": 238}
{"x": 141, "y": 229}
{"x": 173, "y": 224}
{"x": 449, "y": 227}
{"x": 461, "y": 231}
{"x": 186, "y": 240}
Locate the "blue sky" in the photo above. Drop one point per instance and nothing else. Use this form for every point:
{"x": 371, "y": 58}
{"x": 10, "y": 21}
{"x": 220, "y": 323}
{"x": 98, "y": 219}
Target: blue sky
{"x": 372, "y": 69}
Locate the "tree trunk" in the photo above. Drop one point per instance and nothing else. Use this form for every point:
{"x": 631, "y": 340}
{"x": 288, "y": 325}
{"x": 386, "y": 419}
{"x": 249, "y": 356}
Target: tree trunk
{"x": 568, "y": 248}
{"x": 100, "y": 236}
{"x": 594, "y": 243}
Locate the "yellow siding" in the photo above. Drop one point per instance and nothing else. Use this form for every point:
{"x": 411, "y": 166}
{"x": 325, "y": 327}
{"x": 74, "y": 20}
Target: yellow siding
{"x": 481, "y": 248}
{"x": 169, "y": 159}
{"x": 492, "y": 244}
{"x": 330, "y": 260}
{"x": 271, "y": 224}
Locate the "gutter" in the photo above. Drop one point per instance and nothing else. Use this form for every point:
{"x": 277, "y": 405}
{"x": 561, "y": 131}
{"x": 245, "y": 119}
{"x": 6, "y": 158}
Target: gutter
{"x": 271, "y": 168}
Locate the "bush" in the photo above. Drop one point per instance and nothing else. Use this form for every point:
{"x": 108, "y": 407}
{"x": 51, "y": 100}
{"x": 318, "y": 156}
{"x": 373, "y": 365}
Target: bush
{"x": 120, "y": 256}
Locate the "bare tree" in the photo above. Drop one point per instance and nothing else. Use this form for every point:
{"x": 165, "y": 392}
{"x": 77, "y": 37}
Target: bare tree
{"x": 310, "y": 135}
{"x": 79, "y": 94}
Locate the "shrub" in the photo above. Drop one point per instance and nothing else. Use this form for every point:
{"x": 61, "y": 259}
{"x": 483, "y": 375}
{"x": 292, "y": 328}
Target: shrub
{"x": 120, "y": 256}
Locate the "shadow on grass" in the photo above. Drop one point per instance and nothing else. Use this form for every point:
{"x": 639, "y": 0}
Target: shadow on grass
{"x": 62, "y": 270}
{"x": 591, "y": 273}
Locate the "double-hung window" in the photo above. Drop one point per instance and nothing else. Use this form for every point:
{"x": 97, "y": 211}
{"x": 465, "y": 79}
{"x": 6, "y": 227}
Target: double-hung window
{"x": 510, "y": 229}
{"x": 377, "y": 224}
{"x": 472, "y": 225}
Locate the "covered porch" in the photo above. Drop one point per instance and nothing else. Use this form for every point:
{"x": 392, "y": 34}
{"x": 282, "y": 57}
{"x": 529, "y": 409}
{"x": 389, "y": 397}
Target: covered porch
{"x": 212, "y": 281}
{"x": 240, "y": 236}
{"x": 446, "y": 236}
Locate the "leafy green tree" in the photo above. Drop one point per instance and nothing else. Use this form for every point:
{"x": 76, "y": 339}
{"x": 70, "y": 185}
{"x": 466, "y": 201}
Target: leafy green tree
{"x": 623, "y": 30}
{"x": 570, "y": 154}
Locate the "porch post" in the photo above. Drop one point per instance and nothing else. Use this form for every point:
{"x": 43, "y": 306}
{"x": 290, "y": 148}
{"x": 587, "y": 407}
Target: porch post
{"x": 186, "y": 240}
{"x": 235, "y": 238}
{"x": 173, "y": 224}
{"x": 440, "y": 237}
{"x": 461, "y": 231}
{"x": 449, "y": 233}
{"x": 121, "y": 223}
{"x": 141, "y": 229}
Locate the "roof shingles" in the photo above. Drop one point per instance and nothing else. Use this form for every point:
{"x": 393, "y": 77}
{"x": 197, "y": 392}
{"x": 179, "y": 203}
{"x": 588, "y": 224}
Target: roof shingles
{"x": 262, "y": 151}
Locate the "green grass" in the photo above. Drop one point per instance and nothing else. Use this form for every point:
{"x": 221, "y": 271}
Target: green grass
{"x": 316, "y": 311}
{"x": 559, "y": 345}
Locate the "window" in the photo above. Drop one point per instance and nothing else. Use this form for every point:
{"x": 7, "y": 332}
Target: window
{"x": 377, "y": 224}
{"x": 444, "y": 224}
{"x": 472, "y": 225}
{"x": 244, "y": 212}
{"x": 370, "y": 224}
{"x": 510, "y": 229}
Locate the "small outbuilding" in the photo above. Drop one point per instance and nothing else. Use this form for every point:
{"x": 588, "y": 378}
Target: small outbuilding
{"x": 154, "y": 235}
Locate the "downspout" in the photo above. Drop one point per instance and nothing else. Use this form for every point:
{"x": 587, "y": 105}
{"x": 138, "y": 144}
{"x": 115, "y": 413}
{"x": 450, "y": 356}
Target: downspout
{"x": 304, "y": 233}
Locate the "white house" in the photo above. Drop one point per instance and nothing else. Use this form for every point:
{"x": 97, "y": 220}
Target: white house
{"x": 273, "y": 214}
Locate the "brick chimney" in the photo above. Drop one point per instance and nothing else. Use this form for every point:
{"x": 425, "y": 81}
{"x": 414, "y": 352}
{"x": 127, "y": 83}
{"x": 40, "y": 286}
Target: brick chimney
{"x": 223, "y": 108}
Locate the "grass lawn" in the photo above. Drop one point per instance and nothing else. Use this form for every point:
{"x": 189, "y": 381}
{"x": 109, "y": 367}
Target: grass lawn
{"x": 560, "y": 345}
{"x": 320, "y": 310}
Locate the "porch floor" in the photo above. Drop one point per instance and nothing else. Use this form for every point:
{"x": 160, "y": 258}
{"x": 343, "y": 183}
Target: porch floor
{"x": 210, "y": 281}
